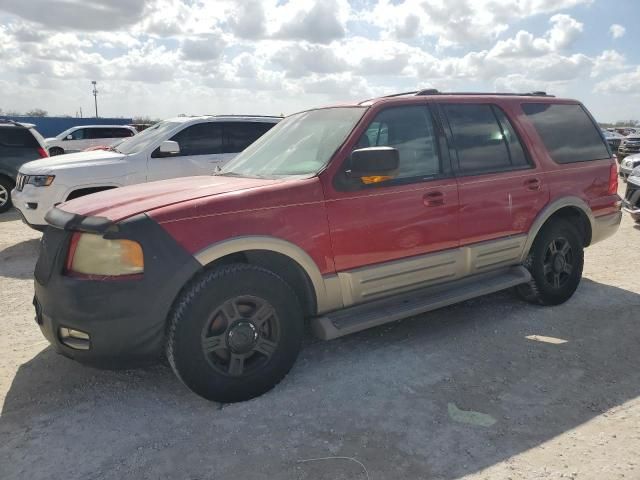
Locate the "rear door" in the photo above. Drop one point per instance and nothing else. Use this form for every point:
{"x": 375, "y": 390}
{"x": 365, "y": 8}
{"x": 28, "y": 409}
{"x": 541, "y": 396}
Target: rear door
{"x": 17, "y": 146}
{"x": 201, "y": 150}
{"x": 501, "y": 189}
{"x": 77, "y": 140}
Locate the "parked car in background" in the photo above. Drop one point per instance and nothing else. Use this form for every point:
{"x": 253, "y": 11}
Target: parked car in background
{"x": 346, "y": 217}
{"x": 176, "y": 147}
{"x": 628, "y": 146}
{"x": 631, "y": 202}
{"x": 613, "y": 139}
{"x": 79, "y": 138}
{"x": 628, "y": 165}
{"x": 19, "y": 143}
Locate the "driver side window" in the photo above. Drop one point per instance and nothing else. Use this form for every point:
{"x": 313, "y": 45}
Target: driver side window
{"x": 79, "y": 134}
{"x": 200, "y": 139}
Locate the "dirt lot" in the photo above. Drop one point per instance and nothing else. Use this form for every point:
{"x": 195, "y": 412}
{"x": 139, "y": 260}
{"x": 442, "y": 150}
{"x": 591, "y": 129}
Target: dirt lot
{"x": 458, "y": 393}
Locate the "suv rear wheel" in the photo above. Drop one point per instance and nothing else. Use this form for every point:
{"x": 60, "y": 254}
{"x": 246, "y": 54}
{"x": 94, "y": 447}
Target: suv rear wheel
{"x": 235, "y": 332}
{"x": 6, "y": 185}
{"x": 555, "y": 262}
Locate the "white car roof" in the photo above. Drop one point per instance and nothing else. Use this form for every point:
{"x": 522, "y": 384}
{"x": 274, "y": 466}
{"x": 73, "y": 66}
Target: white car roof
{"x": 225, "y": 118}
{"x": 104, "y": 126}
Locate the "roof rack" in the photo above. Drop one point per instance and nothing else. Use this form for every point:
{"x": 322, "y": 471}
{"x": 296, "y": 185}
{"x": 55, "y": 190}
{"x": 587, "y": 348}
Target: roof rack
{"x": 433, "y": 91}
{"x": 237, "y": 115}
{"x": 8, "y": 120}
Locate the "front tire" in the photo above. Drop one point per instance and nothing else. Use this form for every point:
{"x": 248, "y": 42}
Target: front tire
{"x": 555, "y": 262}
{"x": 234, "y": 333}
{"x": 6, "y": 185}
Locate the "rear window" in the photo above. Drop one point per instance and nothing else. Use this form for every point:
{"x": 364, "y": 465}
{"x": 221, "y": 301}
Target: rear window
{"x": 17, "y": 137}
{"x": 567, "y": 131}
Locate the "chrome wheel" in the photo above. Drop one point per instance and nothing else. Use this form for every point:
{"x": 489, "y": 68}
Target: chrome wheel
{"x": 558, "y": 262}
{"x": 241, "y": 336}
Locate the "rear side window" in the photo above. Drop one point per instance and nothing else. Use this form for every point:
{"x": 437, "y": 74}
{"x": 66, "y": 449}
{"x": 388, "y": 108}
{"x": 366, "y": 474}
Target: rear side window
{"x": 121, "y": 133}
{"x": 410, "y": 130}
{"x": 93, "y": 133}
{"x": 484, "y": 139}
{"x": 17, "y": 137}
{"x": 239, "y": 135}
{"x": 567, "y": 131}
{"x": 200, "y": 139}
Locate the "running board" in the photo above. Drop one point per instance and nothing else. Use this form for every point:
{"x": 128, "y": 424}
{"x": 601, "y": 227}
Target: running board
{"x": 378, "y": 312}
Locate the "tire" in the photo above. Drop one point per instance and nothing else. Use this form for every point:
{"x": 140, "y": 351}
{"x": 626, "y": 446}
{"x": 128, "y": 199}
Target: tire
{"x": 250, "y": 321}
{"x": 555, "y": 262}
{"x": 55, "y": 151}
{"x": 6, "y": 185}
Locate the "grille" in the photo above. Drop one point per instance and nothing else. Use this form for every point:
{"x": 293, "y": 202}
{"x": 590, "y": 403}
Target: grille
{"x": 20, "y": 181}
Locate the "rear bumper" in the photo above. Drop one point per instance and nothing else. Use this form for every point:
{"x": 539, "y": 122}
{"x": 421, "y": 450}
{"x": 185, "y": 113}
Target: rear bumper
{"x": 605, "y": 226}
{"x": 124, "y": 319}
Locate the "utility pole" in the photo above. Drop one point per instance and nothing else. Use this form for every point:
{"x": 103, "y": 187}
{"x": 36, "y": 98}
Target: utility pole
{"x": 95, "y": 96}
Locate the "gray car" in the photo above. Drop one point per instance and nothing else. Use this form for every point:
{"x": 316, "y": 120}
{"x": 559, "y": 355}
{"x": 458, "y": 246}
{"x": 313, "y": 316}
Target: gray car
{"x": 19, "y": 143}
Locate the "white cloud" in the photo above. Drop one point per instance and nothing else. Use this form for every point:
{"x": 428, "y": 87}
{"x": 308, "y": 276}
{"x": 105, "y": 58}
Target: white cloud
{"x": 319, "y": 24}
{"x": 617, "y": 30}
{"x": 623, "y": 83}
{"x": 203, "y": 47}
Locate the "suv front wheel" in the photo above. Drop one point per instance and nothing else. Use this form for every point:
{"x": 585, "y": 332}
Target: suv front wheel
{"x": 555, "y": 262}
{"x": 234, "y": 333}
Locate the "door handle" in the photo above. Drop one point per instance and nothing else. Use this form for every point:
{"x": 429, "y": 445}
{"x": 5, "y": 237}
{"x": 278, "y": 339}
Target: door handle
{"x": 433, "y": 199}
{"x": 532, "y": 183}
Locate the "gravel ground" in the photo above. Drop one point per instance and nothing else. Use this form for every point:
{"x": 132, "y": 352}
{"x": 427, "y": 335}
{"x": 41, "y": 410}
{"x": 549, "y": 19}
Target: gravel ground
{"x": 489, "y": 389}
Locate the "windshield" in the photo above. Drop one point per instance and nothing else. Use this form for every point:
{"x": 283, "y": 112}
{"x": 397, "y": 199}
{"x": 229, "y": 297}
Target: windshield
{"x": 142, "y": 140}
{"x": 301, "y": 144}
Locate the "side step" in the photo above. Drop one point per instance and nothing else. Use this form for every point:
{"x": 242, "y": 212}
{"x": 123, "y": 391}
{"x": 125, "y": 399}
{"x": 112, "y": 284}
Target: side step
{"x": 378, "y": 312}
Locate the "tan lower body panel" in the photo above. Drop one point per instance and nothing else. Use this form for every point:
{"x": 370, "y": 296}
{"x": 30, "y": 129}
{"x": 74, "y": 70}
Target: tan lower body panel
{"x": 378, "y": 281}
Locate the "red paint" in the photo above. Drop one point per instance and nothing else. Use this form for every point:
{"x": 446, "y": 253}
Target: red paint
{"x": 344, "y": 230}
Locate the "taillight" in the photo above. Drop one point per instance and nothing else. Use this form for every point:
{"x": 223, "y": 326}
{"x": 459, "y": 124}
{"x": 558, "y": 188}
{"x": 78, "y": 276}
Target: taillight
{"x": 42, "y": 152}
{"x": 613, "y": 180}
{"x": 92, "y": 255}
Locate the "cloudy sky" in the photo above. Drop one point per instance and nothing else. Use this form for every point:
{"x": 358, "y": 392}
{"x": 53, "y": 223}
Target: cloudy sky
{"x": 166, "y": 57}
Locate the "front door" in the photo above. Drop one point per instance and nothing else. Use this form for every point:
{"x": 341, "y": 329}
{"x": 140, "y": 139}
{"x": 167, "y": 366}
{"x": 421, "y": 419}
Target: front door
{"x": 382, "y": 232}
{"x": 201, "y": 152}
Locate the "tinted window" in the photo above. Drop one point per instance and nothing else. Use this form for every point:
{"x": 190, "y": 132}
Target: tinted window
{"x": 567, "y": 131}
{"x": 477, "y": 138}
{"x": 17, "y": 137}
{"x": 94, "y": 133}
{"x": 200, "y": 139}
{"x": 516, "y": 152}
{"x": 239, "y": 135}
{"x": 410, "y": 131}
{"x": 121, "y": 133}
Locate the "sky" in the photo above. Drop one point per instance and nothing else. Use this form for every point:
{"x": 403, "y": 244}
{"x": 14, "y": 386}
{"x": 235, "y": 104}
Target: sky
{"x": 161, "y": 58}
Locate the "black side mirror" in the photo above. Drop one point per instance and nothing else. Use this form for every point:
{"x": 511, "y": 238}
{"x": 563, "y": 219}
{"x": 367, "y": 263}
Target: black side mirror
{"x": 374, "y": 164}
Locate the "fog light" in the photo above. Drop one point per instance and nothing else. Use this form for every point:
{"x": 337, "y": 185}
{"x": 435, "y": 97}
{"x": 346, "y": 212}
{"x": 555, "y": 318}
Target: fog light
{"x": 72, "y": 338}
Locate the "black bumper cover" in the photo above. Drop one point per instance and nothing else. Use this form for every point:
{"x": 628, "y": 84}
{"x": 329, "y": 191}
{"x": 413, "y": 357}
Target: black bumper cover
{"x": 125, "y": 318}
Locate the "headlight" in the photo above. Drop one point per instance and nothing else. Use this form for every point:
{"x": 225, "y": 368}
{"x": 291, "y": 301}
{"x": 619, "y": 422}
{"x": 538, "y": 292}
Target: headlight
{"x": 91, "y": 254}
{"x": 40, "y": 180}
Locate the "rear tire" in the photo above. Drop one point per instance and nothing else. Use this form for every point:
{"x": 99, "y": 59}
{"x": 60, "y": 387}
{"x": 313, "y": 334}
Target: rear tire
{"x": 55, "y": 151}
{"x": 234, "y": 333}
{"x": 555, "y": 262}
{"x": 6, "y": 185}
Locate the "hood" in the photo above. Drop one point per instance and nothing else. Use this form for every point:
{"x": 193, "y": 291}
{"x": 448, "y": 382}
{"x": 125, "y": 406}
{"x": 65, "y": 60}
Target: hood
{"x": 71, "y": 160}
{"x": 120, "y": 203}
{"x": 50, "y": 139}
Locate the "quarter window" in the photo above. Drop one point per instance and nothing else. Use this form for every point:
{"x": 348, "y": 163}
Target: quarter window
{"x": 409, "y": 130}
{"x": 567, "y": 131}
{"x": 484, "y": 139}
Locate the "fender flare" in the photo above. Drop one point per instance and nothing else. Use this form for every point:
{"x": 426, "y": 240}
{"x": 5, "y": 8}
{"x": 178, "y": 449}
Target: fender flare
{"x": 549, "y": 210}
{"x": 324, "y": 300}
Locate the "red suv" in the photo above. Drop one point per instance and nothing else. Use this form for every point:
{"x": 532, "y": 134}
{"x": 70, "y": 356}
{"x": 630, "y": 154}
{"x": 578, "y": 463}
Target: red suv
{"x": 344, "y": 218}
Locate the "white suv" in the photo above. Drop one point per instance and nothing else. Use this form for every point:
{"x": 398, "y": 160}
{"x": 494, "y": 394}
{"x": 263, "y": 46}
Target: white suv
{"x": 177, "y": 147}
{"x": 76, "y": 139}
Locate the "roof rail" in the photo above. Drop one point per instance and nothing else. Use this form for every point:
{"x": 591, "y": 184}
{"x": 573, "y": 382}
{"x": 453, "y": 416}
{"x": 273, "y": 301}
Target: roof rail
{"x": 433, "y": 91}
{"x": 237, "y": 115}
{"x": 8, "y": 120}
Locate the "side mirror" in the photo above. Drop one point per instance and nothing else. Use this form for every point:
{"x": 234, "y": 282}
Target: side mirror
{"x": 169, "y": 147}
{"x": 374, "y": 164}
{"x": 69, "y": 137}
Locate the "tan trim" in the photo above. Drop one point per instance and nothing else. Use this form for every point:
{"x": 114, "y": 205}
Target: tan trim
{"x": 326, "y": 289}
{"x": 549, "y": 210}
{"x": 380, "y": 280}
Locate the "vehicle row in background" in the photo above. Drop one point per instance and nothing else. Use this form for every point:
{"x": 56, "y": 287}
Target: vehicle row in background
{"x": 76, "y": 139}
